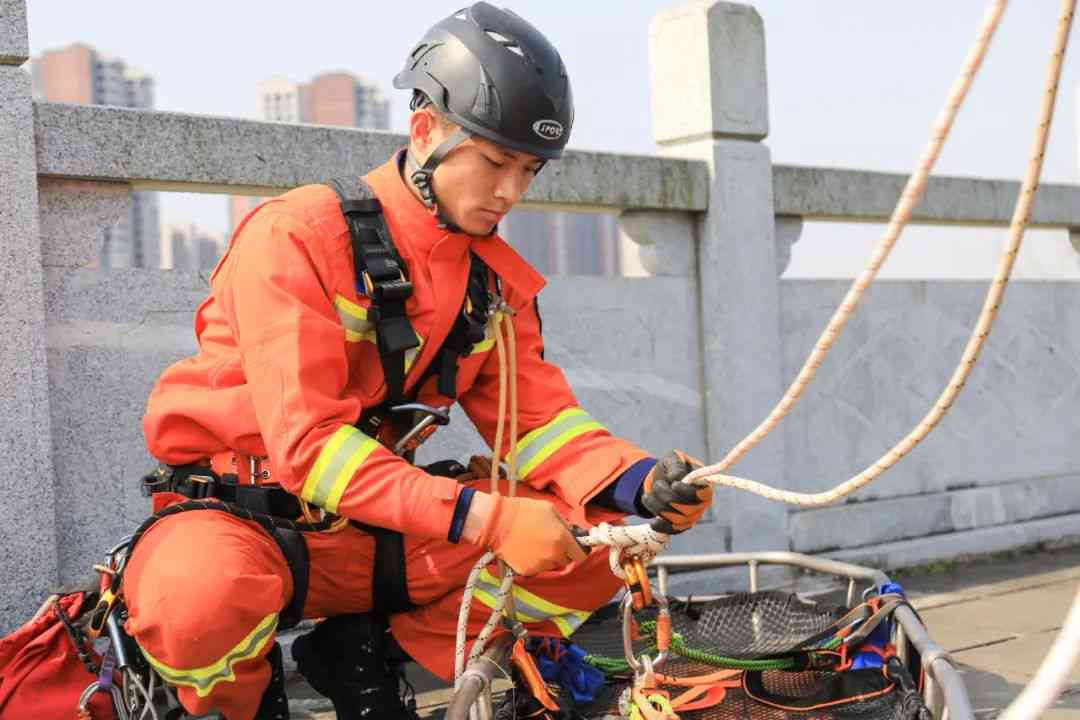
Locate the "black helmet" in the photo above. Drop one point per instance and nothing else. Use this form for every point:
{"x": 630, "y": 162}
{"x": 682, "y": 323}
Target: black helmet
{"x": 496, "y": 76}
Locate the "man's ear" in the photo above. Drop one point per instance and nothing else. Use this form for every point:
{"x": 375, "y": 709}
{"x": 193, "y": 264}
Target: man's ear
{"x": 421, "y": 131}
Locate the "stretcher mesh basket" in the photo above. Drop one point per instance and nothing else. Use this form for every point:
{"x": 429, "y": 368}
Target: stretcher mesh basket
{"x": 747, "y": 627}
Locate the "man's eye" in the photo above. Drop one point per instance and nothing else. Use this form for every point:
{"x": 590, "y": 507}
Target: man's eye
{"x": 493, "y": 163}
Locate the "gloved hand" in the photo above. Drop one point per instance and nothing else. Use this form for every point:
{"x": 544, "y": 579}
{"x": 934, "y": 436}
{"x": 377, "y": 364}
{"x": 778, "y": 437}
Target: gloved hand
{"x": 677, "y": 505}
{"x": 479, "y": 469}
{"x": 528, "y": 535}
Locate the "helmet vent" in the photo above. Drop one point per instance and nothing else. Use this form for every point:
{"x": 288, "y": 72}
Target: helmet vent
{"x": 506, "y": 42}
{"x": 487, "y": 104}
{"x": 462, "y": 14}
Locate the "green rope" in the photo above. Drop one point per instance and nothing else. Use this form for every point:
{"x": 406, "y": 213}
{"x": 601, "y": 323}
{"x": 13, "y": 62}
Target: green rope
{"x": 609, "y": 665}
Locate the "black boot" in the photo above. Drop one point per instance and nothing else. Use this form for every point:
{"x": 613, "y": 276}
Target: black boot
{"x": 345, "y": 659}
{"x": 520, "y": 704}
{"x": 275, "y": 704}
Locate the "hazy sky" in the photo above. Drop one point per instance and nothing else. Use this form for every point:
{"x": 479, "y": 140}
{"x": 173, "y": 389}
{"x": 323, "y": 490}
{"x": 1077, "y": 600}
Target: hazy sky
{"x": 852, "y": 83}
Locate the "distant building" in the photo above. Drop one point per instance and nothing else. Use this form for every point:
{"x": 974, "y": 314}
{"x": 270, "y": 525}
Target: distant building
{"x": 190, "y": 247}
{"x": 563, "y": 243}
{"x": 332, "y": 98}
{"x": 80, "y": 74}
{"x": 556, "y": 243}
{"x": 279, "y": 100}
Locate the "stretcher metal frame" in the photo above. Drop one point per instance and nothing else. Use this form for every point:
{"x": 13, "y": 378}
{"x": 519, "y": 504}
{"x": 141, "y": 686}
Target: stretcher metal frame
{"x": 943, "y": 690}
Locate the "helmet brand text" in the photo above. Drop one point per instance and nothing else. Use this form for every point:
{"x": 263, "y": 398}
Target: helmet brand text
{"x": 548, "y": 129}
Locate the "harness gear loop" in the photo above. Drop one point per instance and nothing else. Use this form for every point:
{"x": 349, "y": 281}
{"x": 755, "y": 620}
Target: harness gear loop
{"x": 337, "y": 522}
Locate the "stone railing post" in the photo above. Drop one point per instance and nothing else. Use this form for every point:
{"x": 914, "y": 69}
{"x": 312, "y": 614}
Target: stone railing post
{"x": 27, "y": 513}
{"x": 709, "y": 103}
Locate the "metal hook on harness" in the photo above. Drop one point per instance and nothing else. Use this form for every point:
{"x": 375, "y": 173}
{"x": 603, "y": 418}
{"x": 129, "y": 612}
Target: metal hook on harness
{"x": 433, "y": 417}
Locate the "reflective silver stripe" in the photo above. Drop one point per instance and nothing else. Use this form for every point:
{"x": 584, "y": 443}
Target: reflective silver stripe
{"x": 541, "y": 443}
{"x": 205, "y": 678}
{"x": 337, "y": 463}
{"x": 529, "y": 607}
{"x": 354, "y": 318}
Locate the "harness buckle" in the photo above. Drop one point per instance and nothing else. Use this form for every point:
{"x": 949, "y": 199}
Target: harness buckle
{"x": 255, "y": 472}
{"x": 394, "y": 289}
{"x": 159, "y": 480}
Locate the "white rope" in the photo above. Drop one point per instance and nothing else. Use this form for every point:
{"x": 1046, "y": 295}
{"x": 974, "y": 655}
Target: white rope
{"x": 504, "y": 596}
{"x": 639, "y": 541}
{"x": 1053, "y": 675}
{"x": 901, "y": 215}
{"x": 461, "y": 635}
{"x": 714, "y": 474}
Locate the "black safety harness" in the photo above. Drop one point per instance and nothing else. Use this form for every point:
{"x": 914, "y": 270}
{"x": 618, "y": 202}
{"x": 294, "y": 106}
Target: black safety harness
{"x": 382, "y": 276}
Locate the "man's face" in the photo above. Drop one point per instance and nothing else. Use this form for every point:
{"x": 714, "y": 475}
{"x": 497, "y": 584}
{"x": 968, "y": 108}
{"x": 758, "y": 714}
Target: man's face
{"x": 479, "y": 181}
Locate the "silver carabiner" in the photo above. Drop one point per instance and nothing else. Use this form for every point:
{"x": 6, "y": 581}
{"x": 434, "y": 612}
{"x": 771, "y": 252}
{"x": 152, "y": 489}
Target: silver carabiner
{"x": 84, "y": 699}
{"x": 642, "y": 668}
{"x": 628, "y": 634}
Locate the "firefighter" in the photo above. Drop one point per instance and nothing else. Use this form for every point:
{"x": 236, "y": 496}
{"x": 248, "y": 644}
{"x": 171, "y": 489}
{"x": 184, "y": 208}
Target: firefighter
{"x": 307, "y": 341}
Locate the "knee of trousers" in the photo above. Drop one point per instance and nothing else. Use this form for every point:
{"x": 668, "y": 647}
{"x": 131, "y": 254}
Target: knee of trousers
{"x": 204, "y": 590}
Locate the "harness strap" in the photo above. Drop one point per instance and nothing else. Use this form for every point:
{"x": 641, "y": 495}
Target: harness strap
{"x": 381, "y": 275}
{"x": 389, "y": 585}
{"x": 468, "y": 329}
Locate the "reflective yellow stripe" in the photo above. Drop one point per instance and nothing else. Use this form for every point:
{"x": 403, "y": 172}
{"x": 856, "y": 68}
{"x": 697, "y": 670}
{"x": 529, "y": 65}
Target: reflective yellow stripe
{"x": 205, "y": 678}
{"x": 486, "y": 344}
{"x": 359, "y": 329}
{"x": 337, "y": 463}
{"x": 541, "y": 443}
{"x": 411, "y": 355}
{"x": 529, "y": 607}
{"x": 355, "y": 320}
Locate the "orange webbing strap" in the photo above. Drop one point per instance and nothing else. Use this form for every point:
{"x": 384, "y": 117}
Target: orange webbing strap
{"x": 530, "y": 674}
{"x": 711, "y": 679}
{"x": 700, "y": 697}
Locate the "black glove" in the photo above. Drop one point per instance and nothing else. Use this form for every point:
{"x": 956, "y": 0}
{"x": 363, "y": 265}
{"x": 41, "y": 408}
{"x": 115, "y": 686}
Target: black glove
{"x": 677, "y": 505}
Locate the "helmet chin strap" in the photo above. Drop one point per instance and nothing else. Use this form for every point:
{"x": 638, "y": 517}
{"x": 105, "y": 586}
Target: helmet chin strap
{"x": 421, "y": 175}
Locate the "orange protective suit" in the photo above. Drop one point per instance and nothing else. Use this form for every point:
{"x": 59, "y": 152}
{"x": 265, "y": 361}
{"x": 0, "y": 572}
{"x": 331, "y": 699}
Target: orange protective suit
{"x": 287, "y": 363}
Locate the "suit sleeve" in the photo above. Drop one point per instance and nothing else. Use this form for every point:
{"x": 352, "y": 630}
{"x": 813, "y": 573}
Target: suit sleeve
{"x": 292, "y": 342}
{"x": 560, "y": 447}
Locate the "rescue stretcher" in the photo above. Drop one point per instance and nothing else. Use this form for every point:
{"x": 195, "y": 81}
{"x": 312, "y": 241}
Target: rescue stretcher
{"x": 939, "y": 684}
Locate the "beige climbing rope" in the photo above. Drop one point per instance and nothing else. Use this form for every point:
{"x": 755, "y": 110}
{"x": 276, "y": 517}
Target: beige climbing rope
{"x": 714, "y": 474}
{"x": 504, "y": 600}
